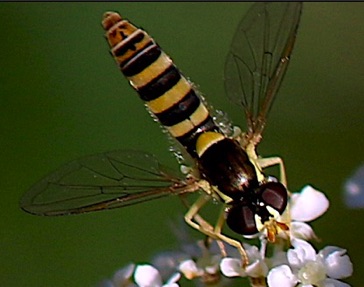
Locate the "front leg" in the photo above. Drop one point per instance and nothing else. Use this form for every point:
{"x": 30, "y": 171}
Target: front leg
{"x": 272, "y": 161}
{"x": 196, "y": 221}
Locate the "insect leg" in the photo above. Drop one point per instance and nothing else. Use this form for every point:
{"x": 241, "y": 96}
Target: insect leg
{"x": 271, "y": 161}
{"x": 218, "y": 227}
{"x": 217, "y": 230}
{"x": 196, "y": 221}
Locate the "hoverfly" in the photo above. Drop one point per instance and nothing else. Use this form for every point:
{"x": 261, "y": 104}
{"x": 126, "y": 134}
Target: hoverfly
{"x": 226, "y": 166}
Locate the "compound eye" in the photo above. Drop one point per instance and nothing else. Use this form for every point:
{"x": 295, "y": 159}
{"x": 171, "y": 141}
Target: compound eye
{"x": 241, "y": 219}
{"x": 274, "y": 194}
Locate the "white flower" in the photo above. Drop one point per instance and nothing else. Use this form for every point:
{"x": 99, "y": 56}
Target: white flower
{"x": 257, "y": 267}
{"x": 300, "y": 266}
{"x": 205, "y": 266}
{"x": 311, "y": 269}
{"x": 306, "y": 206}
{"x": 190, "y": 270}
{"x": 148, "y": 276}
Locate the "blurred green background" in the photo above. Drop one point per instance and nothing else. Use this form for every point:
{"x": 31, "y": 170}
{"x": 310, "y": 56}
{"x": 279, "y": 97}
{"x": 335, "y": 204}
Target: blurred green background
{"x": 62, "y": 97}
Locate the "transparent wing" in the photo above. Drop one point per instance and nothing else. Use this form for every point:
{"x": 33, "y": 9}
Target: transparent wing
{"x": 258, "y": 58}
{"x": 103, "y": 181}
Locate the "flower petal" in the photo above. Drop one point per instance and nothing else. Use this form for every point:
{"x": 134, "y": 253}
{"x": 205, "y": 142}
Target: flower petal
{"x": 257, "y": 269}
{"x": 308, "y": 204}
{"x": 147, "y": 276}
{"x": 281, "y": 276}
{"x": 231, "y": 267}
{"x": 190, "y": 269}
{"x": 337, "y": 263}
{"x": 252, "y": 252}
{"x": 302, "y": 252}
{"x": 302, "y": 230}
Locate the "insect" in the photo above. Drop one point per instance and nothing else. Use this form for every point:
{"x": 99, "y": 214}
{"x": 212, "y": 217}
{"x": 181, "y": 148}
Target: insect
{"x": 225, "y": 165}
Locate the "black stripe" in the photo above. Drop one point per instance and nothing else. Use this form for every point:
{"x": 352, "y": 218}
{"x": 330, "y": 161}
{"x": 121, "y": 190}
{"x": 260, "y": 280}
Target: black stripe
{"x": 160, "y": 85}
{"x": 180, "y": 111}
{"x": 128, "y": 44}
{"x": 126, "y": 60}
{"x": 189, "y": 139}
{"x": 141, "y": 61}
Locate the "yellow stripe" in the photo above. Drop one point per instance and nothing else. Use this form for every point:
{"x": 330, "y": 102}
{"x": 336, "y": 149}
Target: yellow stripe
{"x": 199, "y": 115}
{"x": 181, "y": 128}
{"x": 149, "y": 73}
{"x": 205, "y": 140}
{"x": 187, "y": 125}
{"x": 171, "y": 97}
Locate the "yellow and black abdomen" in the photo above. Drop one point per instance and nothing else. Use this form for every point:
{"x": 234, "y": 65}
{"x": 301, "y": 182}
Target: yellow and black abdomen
{"x": 167, "y": 93}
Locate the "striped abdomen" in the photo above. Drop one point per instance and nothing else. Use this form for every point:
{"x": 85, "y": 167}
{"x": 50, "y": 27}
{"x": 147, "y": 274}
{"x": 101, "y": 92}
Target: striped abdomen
{"x": 167, "y": 93}
{"x": 173, "y": 101}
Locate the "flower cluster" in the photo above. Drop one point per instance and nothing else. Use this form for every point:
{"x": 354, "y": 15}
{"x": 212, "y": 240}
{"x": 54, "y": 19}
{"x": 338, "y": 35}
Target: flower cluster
{"x": 296, "y": 265}
{"x": 144, "y": 276}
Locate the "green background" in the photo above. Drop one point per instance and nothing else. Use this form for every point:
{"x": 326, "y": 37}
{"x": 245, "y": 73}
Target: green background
{"x": 62, "y": 97}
